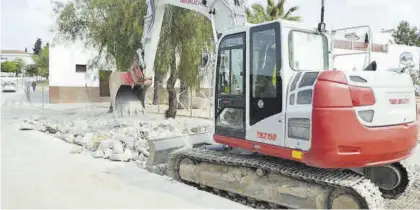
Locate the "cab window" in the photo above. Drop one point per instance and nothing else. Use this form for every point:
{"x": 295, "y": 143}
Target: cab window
{"x": 308, "y": 51}
{"x": 230, "y": 67}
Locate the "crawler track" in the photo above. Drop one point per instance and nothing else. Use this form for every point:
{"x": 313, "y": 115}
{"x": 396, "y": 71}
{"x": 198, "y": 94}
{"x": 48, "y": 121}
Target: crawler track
{"x": 339, "y": 182}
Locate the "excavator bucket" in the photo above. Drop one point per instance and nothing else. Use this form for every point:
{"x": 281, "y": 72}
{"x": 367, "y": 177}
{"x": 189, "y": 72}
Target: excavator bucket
{"x": 126, "y": 100}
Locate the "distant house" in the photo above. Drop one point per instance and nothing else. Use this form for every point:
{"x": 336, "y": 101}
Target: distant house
{"x": 71, "y": 80}
{"x": 10, "y": 55}
{"x": 384, "y": 51}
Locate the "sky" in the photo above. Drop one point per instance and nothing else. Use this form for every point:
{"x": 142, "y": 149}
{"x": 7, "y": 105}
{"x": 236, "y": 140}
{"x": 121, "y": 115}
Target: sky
{"x": 23, "y": 21}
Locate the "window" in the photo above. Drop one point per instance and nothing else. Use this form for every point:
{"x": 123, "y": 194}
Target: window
{"x": 308, "y": 79}
{"x": 264, "y": 59}
{"x": 304, "y": 97}
{"x": 308, "y": 51}
{"x": 80, "y": 68}
{"x": 231, "y": 65}
{"x": 295, "y": 81}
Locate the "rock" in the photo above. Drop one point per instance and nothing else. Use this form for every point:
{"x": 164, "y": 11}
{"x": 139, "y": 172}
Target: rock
{"x": 128, "y": 153}
{"x": 69, "y": 138}
{"x": 142, "y": 158}
{"x": 107, "y": 153}
{"x": 158, "y": 169}
{"x": 93, "y": 144}
{"x": 50, "y": 130}
{"x": 105, "y": 144}
{"x": 117, "y": 136}
{"x": 76, "y": 150}
{"x": 79, "y": 140}
{"x": 135, "y": 155}
{"x": 98, "y": 154}
{"x": 117, "y": 147}
{"x": 129, "y": 142}
{"x": 26, "y": 126}
{"x": 87, "y": 137}
{"x": 41, "y": 128}
{"x": 119, "y": 157}
{"x": 59, "y": 135}
{"x": 140, "y": 164}
{"x": 142, "y": 147}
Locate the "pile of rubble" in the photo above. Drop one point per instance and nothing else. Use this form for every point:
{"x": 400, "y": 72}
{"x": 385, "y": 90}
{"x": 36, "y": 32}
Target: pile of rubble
{"x": 111, "y": 138}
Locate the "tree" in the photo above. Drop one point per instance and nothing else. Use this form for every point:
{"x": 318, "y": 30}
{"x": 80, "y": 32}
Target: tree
{"x": 37, "y": 46}
{"x": 8, "y": 66}
{"x": 272, "y": 12}
{"x": 31, "y": 70}
{"x": 19, "y": 65}
{"x": 183, "y": 33}
{"x": 112, "y": 27}
{"x": 42, "y": 62}
{"x": 406, "y": 35}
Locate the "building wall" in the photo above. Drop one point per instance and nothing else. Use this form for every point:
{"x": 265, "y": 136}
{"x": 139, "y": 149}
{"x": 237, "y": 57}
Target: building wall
{"x": 67, "y": 85}
{"x": 27, "y": 58}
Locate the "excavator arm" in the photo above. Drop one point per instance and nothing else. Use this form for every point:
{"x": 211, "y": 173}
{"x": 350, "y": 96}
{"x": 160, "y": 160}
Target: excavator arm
{"x": 127, "y": 90}
{"x": 223, "y": 14}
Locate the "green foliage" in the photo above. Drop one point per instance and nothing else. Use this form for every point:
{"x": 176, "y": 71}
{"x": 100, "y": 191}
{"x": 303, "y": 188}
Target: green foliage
{"x": 187, "y": 33}
{"x": 8, "y": 66}
{"x": 37, "y": 46}
{"x": 31, "y": 70}
{"x": 196, "y": 35}
{"x": 19, "y": 65}
{"x": 42, "y": 62}
{"x": 273, "y": 12}
{"x": 407, "y": 35}
{"x": 113, "y": 27}
{"x": 15, "y": 66}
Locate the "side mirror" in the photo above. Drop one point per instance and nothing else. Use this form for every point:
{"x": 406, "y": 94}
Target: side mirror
{"x": 406, "y": 58}
{"x": 205, "y": 57}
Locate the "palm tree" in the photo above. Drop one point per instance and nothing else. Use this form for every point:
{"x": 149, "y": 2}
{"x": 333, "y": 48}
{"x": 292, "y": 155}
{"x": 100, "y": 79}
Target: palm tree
{"x": 272, "y": 12}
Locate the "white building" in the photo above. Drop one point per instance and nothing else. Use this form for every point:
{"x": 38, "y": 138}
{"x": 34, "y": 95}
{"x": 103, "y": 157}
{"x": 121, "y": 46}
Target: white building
{"x": 11, "y": 55}
{"x": 70, "y": 78}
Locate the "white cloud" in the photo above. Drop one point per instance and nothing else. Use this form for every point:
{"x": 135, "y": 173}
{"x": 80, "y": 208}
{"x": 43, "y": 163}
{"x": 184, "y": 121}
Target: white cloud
{"x": 23, "y": 21}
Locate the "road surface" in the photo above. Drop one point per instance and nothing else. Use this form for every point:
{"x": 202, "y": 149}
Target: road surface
{"x": 38, "y": 171}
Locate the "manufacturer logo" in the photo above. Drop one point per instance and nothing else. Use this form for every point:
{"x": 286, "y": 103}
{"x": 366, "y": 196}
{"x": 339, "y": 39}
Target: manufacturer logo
{"x": 399, "y": 101}
{"x": 196, "y": 2}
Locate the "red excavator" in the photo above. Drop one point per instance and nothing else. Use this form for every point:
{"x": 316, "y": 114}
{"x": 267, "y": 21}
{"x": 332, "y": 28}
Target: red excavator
{"x": 292, "y": 129}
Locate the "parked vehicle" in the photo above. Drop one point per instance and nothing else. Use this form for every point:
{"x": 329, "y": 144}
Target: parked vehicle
{"x": 9, "y": 84}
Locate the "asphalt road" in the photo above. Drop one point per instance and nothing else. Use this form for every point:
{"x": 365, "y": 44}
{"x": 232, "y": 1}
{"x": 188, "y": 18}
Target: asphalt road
{"x": 38, "y": 171}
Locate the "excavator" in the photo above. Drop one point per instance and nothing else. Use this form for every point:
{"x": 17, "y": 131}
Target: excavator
{"x": 290, "y": 128}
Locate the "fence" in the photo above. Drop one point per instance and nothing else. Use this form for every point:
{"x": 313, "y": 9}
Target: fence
{"x": 198, "y": 103}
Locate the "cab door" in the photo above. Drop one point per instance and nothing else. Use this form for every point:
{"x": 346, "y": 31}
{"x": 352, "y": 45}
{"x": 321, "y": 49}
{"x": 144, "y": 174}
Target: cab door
{"x": 230, "y": 87}
{"x": 266, "y": 113}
